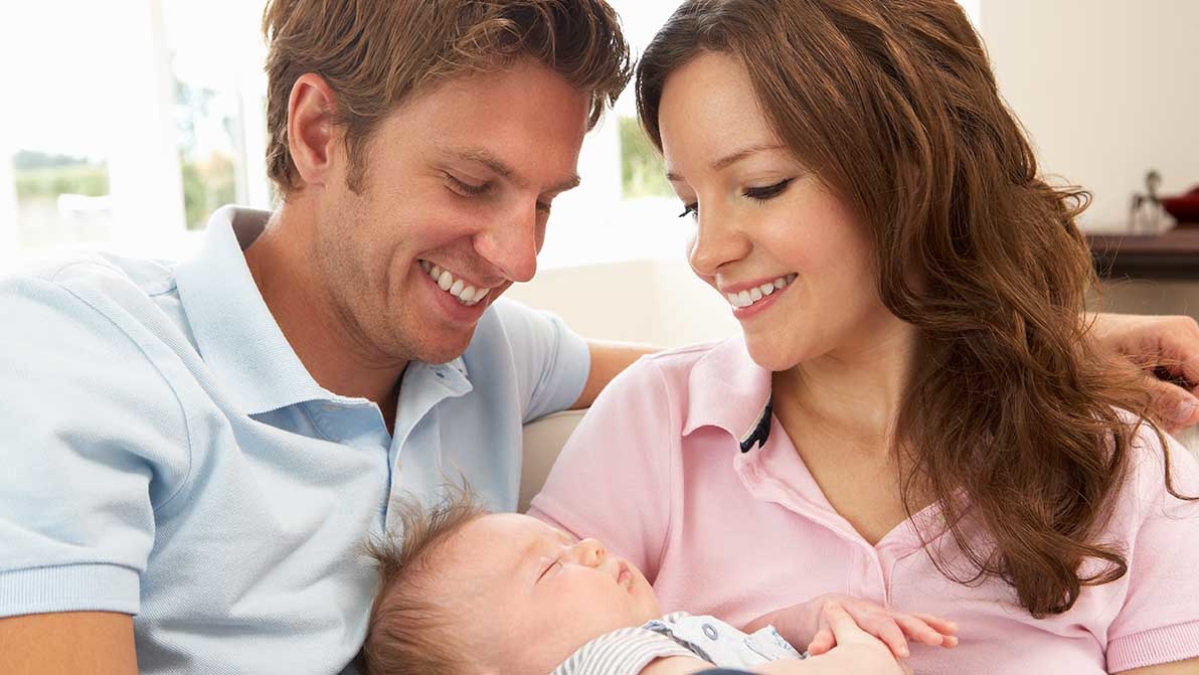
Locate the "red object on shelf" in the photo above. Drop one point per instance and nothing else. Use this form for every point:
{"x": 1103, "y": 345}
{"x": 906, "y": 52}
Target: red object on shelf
{"x": 1184, "y": 208}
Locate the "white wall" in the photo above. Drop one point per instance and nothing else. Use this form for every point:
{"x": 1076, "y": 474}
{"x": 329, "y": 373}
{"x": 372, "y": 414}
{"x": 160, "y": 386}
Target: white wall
{"x": 657, "y": 302}
{"x": 1107, "y": 88}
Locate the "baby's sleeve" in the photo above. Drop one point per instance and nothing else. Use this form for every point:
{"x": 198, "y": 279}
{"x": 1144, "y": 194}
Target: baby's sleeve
{"x": 1159, "y": 620}
{"x": 622, "y": 652}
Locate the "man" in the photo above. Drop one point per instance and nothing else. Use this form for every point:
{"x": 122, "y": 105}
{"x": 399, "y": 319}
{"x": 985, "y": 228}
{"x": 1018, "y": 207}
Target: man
{"x": 205, "y": 445}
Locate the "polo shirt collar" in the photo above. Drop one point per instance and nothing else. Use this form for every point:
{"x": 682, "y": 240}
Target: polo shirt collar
{"x": 235, "y": 331}
{"x": 727, "y": 390}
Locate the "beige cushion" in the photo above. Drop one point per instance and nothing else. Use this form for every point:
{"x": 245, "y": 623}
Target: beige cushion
{"x": 544, "y": 439}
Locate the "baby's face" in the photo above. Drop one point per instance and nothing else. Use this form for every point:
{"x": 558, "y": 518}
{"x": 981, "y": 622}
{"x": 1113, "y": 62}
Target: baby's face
{"x": 524, "y": 595}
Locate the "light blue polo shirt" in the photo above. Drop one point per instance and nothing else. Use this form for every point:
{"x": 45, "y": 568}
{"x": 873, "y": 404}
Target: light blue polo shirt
{"x": 165, "y": 454}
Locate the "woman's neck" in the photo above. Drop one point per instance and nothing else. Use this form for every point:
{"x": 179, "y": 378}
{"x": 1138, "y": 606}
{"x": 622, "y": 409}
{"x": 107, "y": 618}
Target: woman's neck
{"x": 853, "y": 393}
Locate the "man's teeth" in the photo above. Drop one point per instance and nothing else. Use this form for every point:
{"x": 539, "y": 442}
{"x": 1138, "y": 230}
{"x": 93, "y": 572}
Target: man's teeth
{"x": 466, "y": 294}
{"x": 748, "y": 297}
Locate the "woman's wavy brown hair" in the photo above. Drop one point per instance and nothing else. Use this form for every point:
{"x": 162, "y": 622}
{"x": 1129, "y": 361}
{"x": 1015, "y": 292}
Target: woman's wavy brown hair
{"x": 1013, "y": 422}
{"x": 375, "y": 53}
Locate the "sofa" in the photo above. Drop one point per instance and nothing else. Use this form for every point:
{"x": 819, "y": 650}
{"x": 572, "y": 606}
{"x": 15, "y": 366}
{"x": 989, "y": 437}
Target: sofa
{"x": 543, "y": 441}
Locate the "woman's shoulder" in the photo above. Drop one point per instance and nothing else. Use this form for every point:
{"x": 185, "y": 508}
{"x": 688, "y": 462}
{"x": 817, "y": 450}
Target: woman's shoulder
{"x": 1161, "y": 473}
{"x": 707, "y": 364}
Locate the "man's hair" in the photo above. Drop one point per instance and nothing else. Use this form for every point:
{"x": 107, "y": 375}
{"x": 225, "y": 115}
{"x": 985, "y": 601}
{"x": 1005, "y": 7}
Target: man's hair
{"x": 374, "y": 54}
{"x": 408, "y": 634}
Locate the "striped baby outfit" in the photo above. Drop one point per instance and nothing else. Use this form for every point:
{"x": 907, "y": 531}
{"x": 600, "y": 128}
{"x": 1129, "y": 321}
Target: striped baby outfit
{"x": 628, "y": 650}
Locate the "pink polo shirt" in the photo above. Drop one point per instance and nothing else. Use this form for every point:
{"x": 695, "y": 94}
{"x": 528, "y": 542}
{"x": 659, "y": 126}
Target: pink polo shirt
{"x": 656, "y": 471}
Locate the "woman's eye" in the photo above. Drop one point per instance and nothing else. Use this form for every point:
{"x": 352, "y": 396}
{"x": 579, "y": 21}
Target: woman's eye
{"x": 468, "y": 189}
{"x": 768, "y": 192}
{"x": 690, "y": 210}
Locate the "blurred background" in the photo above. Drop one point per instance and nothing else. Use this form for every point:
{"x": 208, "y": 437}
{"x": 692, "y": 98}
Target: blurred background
{"x": 126, "y": 122}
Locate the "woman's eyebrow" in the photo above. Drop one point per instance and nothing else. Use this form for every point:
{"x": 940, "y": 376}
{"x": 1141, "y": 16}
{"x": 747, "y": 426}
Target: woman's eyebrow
{"x": 732, "y": 158}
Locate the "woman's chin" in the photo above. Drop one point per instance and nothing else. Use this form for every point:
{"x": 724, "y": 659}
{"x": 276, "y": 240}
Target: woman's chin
{"x": 773, "y": 354}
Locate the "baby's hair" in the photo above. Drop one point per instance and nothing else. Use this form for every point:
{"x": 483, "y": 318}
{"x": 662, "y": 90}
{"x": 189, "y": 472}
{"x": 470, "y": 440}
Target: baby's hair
{"x": 407, "y": 634}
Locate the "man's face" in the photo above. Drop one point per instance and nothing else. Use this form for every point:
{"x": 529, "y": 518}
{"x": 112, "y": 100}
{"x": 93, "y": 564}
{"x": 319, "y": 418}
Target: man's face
{"x": 523, "y": 595}
{"x": 452, "y": 210}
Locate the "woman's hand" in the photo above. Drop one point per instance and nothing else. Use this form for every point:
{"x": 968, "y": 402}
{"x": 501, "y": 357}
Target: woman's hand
{"x": 806, "y": 624}
{"x": 891, "y": 627}
{"x": 1166, "y": 349}
{"x": 856, "y": 652}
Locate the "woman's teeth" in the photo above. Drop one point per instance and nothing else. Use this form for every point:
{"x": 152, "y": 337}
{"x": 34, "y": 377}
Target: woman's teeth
{"x": 750, "y": 296}
{"x": 465, "y": 294}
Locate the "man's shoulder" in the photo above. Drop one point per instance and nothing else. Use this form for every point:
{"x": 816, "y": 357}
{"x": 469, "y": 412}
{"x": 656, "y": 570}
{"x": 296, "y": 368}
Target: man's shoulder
{"x": 89, "y": 277}
{"x": 511, "y": 332}
{"x": 86, "y": 306}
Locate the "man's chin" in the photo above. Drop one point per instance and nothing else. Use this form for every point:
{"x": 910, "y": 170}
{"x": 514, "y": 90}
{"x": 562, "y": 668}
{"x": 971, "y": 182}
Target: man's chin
{"x": 444, "y": 349}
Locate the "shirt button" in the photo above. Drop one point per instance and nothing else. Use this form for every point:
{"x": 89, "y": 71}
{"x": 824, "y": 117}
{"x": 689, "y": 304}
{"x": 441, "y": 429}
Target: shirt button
{"x": 710, "y": 632}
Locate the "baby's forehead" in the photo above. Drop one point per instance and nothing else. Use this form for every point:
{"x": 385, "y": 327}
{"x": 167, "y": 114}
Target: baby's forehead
{"x": 508, "y": 531}
{"x": 498, "y": 541}
{"x": 485, "y": 553}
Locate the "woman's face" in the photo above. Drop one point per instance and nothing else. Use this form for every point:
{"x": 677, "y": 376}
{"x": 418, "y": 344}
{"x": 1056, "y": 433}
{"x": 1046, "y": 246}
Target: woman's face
{"x": 787, "y": 254}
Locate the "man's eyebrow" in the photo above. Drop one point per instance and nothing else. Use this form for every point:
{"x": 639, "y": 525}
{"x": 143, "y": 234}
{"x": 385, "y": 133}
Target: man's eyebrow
{"x": 500, "y": 168}
{"x": 732, "y": 158}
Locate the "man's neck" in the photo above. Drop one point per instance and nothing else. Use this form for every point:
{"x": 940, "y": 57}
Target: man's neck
{"x": 332, "y": 349}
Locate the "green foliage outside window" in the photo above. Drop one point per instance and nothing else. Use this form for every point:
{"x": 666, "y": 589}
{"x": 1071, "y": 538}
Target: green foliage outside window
{"x": 40, "y": 176}
{"x": 641, "y": 169}
{"x": 207, "y": 186}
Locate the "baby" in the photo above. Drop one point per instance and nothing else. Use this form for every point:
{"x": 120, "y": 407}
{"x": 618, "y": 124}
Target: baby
{"x": 468, "y": 592}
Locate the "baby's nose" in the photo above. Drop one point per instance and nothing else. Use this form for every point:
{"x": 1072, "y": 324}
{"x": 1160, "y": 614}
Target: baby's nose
{"x": 590, "y": 552}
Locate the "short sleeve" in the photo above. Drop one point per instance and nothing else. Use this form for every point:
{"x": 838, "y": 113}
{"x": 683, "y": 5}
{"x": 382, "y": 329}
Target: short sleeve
{"x": 1159, "y": 620}
{"x": 552, "y": 362}
{"x": 93, "y": 440}
{"x": 622, "y": 652}
{"x": 613, "y": 480}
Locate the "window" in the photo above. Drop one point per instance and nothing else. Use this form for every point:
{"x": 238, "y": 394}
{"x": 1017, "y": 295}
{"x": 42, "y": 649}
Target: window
{"x": 216, "y": 55}
{"x": 56, "y": 173}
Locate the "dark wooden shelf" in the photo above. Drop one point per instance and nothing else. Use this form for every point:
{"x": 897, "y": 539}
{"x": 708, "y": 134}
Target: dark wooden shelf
{"x": 1170, "y": 256}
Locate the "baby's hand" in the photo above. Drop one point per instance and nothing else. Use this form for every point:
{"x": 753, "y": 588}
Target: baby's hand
{"x": 892, "y": 627}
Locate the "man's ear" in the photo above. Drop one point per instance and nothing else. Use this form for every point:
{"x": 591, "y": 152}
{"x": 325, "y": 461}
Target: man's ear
{"x": 311, "y": 129}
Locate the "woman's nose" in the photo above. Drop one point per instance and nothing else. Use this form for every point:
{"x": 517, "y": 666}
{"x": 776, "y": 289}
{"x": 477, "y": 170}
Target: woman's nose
{"x": 715, "y": 243}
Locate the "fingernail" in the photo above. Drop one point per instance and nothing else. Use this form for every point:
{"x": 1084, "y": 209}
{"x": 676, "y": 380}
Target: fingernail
{"x": 1186, "y": 410}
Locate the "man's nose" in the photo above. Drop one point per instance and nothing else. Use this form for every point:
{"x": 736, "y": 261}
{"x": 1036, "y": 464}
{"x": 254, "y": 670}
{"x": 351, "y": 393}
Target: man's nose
{"x": 512, "y": 245}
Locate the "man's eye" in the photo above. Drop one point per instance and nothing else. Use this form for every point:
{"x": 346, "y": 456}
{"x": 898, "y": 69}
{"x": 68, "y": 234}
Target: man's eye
{"x": 468, "y": 189}
{"x": 690, "y": 210}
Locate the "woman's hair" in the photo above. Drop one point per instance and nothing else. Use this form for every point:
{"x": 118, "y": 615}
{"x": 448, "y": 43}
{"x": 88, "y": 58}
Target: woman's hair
{"x": 374, "y": 54}
{"x": 408, "y": 633}
{"x": 1014, "y": 421}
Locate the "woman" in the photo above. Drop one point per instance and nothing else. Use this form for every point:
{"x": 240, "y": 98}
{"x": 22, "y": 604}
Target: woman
{"x": 913, "y": 414}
